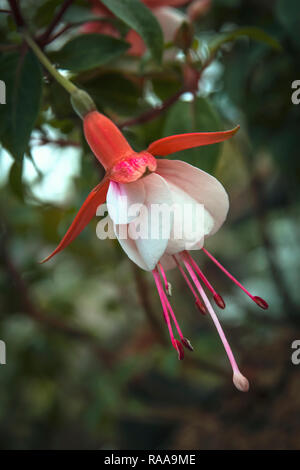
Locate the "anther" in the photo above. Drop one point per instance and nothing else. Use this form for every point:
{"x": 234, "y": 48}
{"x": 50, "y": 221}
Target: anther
{"x": 201, "y": 307}
{"x": 260, "y": 302}
{"x": 219, "y": 301}
{"x": 186, "y": 343}
{"x": 178, "y": 346}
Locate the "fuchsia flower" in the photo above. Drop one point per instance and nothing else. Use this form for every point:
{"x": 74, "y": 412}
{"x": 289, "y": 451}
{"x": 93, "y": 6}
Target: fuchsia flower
{"x": 141, "y": 178}
{"x": 168, "y": 17}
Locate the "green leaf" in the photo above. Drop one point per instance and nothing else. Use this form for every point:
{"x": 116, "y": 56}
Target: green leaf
{"x": 138, "y": 17}
{"x": 251, "y": 32}
{"x": 89, "y": 51}
{"x": 15, "y": 180}
{"x": 23, "y": 78}
{"x": 165, "y": 86}
{"x": 198, "y": 116}
{"x": 45, "y": 11}
{"x": 115, "y": 92}
{"x": 288, "y": 15}
{"x": 76, "y": 14}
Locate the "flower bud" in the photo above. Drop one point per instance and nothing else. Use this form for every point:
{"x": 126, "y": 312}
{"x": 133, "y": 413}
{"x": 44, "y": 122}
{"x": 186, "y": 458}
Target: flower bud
{"x": 184, "y": 36}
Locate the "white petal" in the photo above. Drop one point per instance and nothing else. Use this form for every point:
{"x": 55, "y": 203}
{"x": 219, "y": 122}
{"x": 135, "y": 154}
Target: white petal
{"x": 148, "y": 234}
{"x": 191, "y": 222}
{"x": 201, "y": 186}
{"x": 124, "y": 200}
{"x": 129, "y": 246}
{"x": 156, "y": 227}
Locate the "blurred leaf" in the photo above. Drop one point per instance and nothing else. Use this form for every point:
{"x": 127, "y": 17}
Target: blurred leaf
{"x": 251, "y": 32}
{"x": 23, "y": 78}
{"x": 60, "y": 101}
{"x": 198, "y": 116}
{"x": 114, "y": 91}
{"x": 77, "y": 14}
{"x": 289, "y": 16}
{"x": 89, "y": 51}
{"x": 140, "y": 137}
{"x": 165, "y": 86}
{"x": 15, "y": 179}
{"x": 136, "y": 15}
{"x": 45, "y": 11}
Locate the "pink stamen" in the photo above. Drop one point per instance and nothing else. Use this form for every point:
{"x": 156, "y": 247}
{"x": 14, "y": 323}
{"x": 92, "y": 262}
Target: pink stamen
{"x": 184, "y": 340}
{"x": 178, "y": 346}
{"x": 198, "y": 302}
{"x": 235, "y": 369}
{"x": 168, "y": 287}
{"x": 166, "y": 309}
{"x": 258, "y": 300}
{"x": 217, "y": 298}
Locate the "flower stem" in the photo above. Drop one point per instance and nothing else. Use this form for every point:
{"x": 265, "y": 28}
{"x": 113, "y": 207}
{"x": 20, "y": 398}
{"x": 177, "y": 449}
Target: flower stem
{"x": 81, "y": 101}
{"x": 63, "y": 81}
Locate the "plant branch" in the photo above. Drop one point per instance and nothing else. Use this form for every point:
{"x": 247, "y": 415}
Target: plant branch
{"x": 43, "y": 39}
{"x": 18, "y": 17}
{"x": 45, "y": 320}
{"x": 64, "y": 82}
{"x": 58, "y": 142}
{"x": 158, "y": 110}
{"x": 59, "y": 33}
{"x": 153, "y": 113}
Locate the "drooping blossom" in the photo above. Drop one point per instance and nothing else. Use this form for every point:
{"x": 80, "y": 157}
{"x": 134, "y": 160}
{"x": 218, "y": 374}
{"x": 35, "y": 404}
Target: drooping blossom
{"x": 168, "y": 17}
{"x": 141, "y": 178}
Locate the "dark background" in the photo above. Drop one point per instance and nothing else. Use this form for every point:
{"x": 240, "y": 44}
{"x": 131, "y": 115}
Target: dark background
{"x": 89, "y": 364}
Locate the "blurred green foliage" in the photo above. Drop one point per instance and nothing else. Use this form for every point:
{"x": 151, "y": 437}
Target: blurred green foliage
{"x": 88, "y": 362}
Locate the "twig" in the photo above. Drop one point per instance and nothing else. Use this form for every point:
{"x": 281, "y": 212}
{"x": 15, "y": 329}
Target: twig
{"x": 30, "y": 309}
{"x": 261, "y": 217}
{"x": 153, "y": 113}
{"x": 18, "y": 17}
{"x": 58, "y": 142}
{"x": 8, "y": 47}
{"x": 43, "y": 39}
{"x": 259, "y": 205}
{"x": 59, "y": 33}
